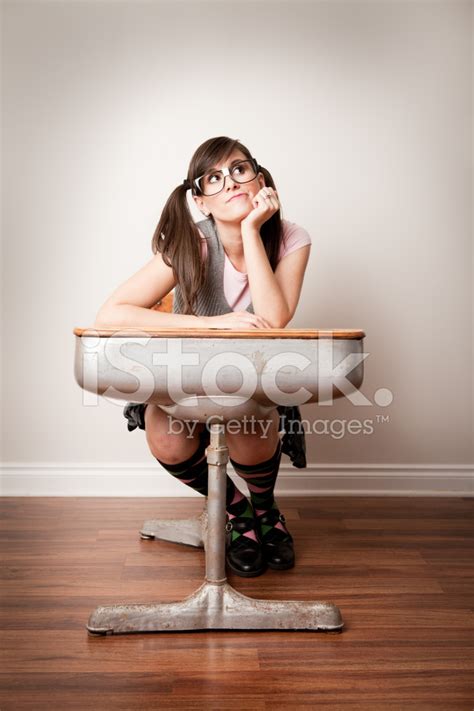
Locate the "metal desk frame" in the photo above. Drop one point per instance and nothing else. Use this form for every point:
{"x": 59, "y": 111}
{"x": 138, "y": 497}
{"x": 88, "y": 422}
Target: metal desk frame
{"x": 215, "y": 605}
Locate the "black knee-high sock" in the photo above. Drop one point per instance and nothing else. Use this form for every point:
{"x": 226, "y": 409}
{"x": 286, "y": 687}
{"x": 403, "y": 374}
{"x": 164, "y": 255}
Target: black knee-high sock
{"x": 261, "y": 479}
{"x": 194, "y": 472}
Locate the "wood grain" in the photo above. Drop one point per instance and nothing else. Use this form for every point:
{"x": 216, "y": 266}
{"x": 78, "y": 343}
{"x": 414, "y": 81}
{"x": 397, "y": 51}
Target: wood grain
{"x": 400, "y": 569}
{"x": 311, "y": 333}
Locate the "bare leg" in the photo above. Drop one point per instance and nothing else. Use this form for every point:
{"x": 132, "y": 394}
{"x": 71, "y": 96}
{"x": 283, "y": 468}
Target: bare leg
{"x": 169, "y": 445}
{"x": 253, "y": 447}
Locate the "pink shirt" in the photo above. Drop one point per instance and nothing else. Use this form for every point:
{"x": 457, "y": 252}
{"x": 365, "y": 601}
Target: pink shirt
{"x": 236, "y": 284}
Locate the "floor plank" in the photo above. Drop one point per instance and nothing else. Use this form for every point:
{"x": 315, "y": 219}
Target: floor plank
{"x": 400, "y": 569}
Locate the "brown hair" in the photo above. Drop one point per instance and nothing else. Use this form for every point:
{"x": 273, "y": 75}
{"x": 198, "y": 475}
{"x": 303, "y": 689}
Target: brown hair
{"x": 176, "y": 235}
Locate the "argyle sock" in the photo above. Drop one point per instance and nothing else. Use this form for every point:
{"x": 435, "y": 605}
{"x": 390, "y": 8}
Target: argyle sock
{"x": 261, "y": 479}
{"x": 194, "y": 472}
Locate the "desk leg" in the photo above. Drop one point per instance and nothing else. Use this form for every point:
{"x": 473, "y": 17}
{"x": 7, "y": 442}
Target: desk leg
{"x": 215, "y": 604}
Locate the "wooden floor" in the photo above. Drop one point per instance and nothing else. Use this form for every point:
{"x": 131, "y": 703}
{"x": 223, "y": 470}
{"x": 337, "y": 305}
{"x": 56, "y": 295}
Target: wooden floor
{"x": 400, "y": 569}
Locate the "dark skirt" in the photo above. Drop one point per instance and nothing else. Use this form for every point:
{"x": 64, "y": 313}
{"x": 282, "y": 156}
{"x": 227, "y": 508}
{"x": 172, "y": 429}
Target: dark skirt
{"x": 293, "y": 441}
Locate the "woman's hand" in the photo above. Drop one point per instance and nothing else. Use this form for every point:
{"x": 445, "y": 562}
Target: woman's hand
{"x": 235, "y": 320}
{"x": 264, "y": 208}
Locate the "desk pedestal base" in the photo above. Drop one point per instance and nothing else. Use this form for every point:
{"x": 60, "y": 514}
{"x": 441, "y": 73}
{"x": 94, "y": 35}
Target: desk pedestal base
{"x": 215, "y": 604}
{"x": 187, "y": 531}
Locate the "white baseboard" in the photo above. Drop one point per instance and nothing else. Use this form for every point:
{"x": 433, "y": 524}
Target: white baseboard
{"x": 150, "y": 480}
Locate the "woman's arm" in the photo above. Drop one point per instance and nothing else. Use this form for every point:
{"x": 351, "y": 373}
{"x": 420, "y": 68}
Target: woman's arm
{"x": 289, "y": 274}
{"x": 130, "y": 305}
{"x": 274, "y": 295}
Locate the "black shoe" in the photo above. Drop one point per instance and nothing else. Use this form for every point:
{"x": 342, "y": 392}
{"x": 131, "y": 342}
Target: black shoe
{"x": 277, "y": 548}
{"x": 244, "y": 555}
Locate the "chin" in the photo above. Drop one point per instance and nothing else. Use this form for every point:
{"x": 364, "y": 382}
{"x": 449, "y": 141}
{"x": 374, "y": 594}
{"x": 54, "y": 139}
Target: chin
{"x": 243, "y": 211}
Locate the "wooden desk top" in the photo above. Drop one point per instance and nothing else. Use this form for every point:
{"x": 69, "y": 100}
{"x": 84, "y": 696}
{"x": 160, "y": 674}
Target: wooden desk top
{"x": 343, "y": 333}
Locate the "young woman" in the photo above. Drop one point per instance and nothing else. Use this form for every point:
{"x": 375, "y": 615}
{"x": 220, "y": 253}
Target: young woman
{"x": 241, "y": 266}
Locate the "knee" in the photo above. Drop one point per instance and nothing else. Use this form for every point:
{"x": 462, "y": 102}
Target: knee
{"x": 168, "y": 446}
{"x": 257, "y": 443}
{"x": 171, "y": 448}
{"x": 254, "y": 451}
{"x": 173, "y": 452}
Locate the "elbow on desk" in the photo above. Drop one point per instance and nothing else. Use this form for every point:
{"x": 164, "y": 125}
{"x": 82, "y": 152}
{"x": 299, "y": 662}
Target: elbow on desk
{"x": 104, "y": 320}
{"x": 101, "y": 325}
{"x": 281, "y": 322}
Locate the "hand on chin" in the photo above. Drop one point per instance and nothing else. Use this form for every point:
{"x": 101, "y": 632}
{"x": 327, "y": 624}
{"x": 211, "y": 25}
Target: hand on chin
{"x": 263, "y": 208}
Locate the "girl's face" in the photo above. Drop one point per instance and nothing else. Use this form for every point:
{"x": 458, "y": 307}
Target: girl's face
{"x": 226, "y": 206}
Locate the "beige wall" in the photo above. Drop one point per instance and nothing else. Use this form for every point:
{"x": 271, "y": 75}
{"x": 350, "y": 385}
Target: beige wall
{"x": 362, "y": 112}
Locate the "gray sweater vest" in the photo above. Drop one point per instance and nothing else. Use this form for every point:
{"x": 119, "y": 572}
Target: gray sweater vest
{"x": 210, "y": 299}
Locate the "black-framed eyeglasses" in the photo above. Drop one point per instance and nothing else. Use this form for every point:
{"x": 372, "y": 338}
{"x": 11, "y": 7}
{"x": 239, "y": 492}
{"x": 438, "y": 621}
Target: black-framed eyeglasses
{"x": 242, "y": 171}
